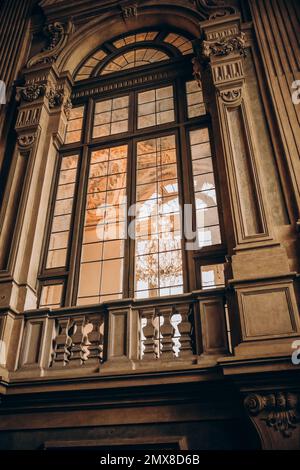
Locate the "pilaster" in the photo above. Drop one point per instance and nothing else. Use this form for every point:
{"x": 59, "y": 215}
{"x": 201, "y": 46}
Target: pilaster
{"x": 262, "y": 281}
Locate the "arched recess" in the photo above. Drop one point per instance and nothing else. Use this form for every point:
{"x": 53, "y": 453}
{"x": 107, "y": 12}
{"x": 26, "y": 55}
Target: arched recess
{"x": 96, "y": 32}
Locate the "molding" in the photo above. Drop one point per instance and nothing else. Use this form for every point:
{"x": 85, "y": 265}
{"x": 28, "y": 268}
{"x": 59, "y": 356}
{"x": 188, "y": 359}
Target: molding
{"x": 214, "y": 8}
{"x": 33, "y": 92}
{"x": 224, "y": 47}
{"x": 26, "y": 141}
{"x": 280, "y": 410}
{"x": 58, "y": 34}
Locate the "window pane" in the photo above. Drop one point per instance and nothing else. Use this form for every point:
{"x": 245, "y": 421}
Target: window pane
{"x": 194, "y": 96}
{"x": 111, "y": 117}
{"x": 212, "y": 276}
{"x": 134, "y": 58}
{"x": 155, "y": 107}
{"x": 74, "y": 126}
{"x": 61, "y": 222}
{"x": 158, "y": 261}
{"x": 51, "y": 296}
{"x": 207, "y": 218}
{"x": 102, "y": 258}
{"x": 182, "y": 43}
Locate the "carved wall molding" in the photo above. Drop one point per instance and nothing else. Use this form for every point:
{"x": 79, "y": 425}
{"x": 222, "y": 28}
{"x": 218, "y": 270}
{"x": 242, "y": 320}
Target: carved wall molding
{"x": 32, "y": 92}
{"x": 26, "y": 141}
{"x": 225, "y": 46}
{"x": 278, "y": 410}
{"x": 129, "y": 10}
{"x": 55, "y": 97}
{"x": 232, "y": 96}
{"x": 58, "y": 34}
{"x": 214, "y": 8}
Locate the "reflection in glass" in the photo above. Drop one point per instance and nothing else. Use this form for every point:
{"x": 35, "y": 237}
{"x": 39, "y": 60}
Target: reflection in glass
{"x": 194, "y": 98}
{"x": 135, "y": 58}
{"x": 111, "y": 117}
{"x": 155, "y": 107}
{"x": 102, "y": 258}
{"x": 63, "y": 209}
{"x": 158, "y": 257}
{"x": 207, "y": 218}
{"x": 74, "y": 126}
{"x": 51, "y": 296}
{"x": 212, "y": 276}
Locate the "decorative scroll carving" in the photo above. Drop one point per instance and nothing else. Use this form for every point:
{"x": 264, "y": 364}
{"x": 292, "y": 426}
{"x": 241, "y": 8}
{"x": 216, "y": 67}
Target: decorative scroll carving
{"x": 55, "y": 97}
{"x": 280, "y": 408}
{"x": 197, "y": 71}
{"x": 214, "y": 8}
{"x": 224, "y": 47}
{"x": 33, "y": 92}
{"x": 57, "y": 34}
{"x": 231, "y": 96}
{"x": 25, "y": 141}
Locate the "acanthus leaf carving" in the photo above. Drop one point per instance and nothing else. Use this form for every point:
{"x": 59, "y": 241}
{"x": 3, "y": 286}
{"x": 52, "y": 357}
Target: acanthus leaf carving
{"x": 225, "y": 46}
{"x": 280, "y": 408}
{"x": 55, "y": 97}
{"x": 57, "y": 34}
{"x": 33, "y": 92}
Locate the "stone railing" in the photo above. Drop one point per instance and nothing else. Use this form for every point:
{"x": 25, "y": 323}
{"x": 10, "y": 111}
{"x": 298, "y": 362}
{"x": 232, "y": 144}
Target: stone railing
{"x": 123, "y": 335}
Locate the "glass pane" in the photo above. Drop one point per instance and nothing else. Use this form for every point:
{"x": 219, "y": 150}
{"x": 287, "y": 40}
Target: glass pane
{"x": 195, "y": 102}
{"x": 64, "y": 202}
{"x": 212, "y": 276}
{"x": 105, "y": 226}
{"x": 182, "y": 43}
{"x": 51, "y": 295}
{"x": 155, "y": 107}
{"x": 134, "y": 58}
{"x": 158, "y": 261}
{"x": 74, "y": 126}
{"x": 111, "y": 117}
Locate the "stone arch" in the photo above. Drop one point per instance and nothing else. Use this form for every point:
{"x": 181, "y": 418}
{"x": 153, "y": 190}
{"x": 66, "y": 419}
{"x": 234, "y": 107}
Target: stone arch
{"x": 90, "y": 36}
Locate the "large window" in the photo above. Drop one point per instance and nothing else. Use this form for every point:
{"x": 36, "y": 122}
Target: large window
{"x": 137, "y": 165}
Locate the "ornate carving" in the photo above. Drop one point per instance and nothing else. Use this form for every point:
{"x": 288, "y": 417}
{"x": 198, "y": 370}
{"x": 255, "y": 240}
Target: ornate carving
{"x": 67, "y": 107}
{"x": 55, "y": 97}
{"x": 197, "y": 71}
{"x": 231, "y": 96}
{"x": 33, "y": 92}
{"x": 129, "y": 11}
{"x": 57, "y": 34}
{"x": 214, "y": 8}
{"x": 281, "y": 409}
{"x": 225, "y": 46}
{"x": 26, "y": 140}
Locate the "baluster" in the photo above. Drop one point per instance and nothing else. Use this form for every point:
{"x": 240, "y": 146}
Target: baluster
{"x": 77, "y": 348}
{"x": 167, "y": 333}
{"x": 148, "y": 330}
{"x": 63, "y": 344}
{"x": 95, "y": 339}
{"x": 185, "y": 329}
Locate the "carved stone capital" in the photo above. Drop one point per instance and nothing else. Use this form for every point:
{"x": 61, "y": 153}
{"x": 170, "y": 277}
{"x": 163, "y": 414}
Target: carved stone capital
{"x": 278, "y": 410}
{"x": 224, "y": 47}
{"x": 32, "y": 92}
{"x": 55, "y": 97}
{"x": 25, "y": 141}
{"x": 57, "y": 34}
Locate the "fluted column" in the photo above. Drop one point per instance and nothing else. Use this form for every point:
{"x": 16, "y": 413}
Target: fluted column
{"x": 14, "y": 23}
{"x": 262, "y": 280}
{"x": 277, "y": 28}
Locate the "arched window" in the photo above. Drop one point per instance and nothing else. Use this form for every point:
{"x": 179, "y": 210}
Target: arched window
{"x": 138, "y": 154}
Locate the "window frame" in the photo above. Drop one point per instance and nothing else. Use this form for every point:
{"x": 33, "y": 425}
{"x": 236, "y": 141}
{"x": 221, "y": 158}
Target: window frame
{"x": 163, "y": 74}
